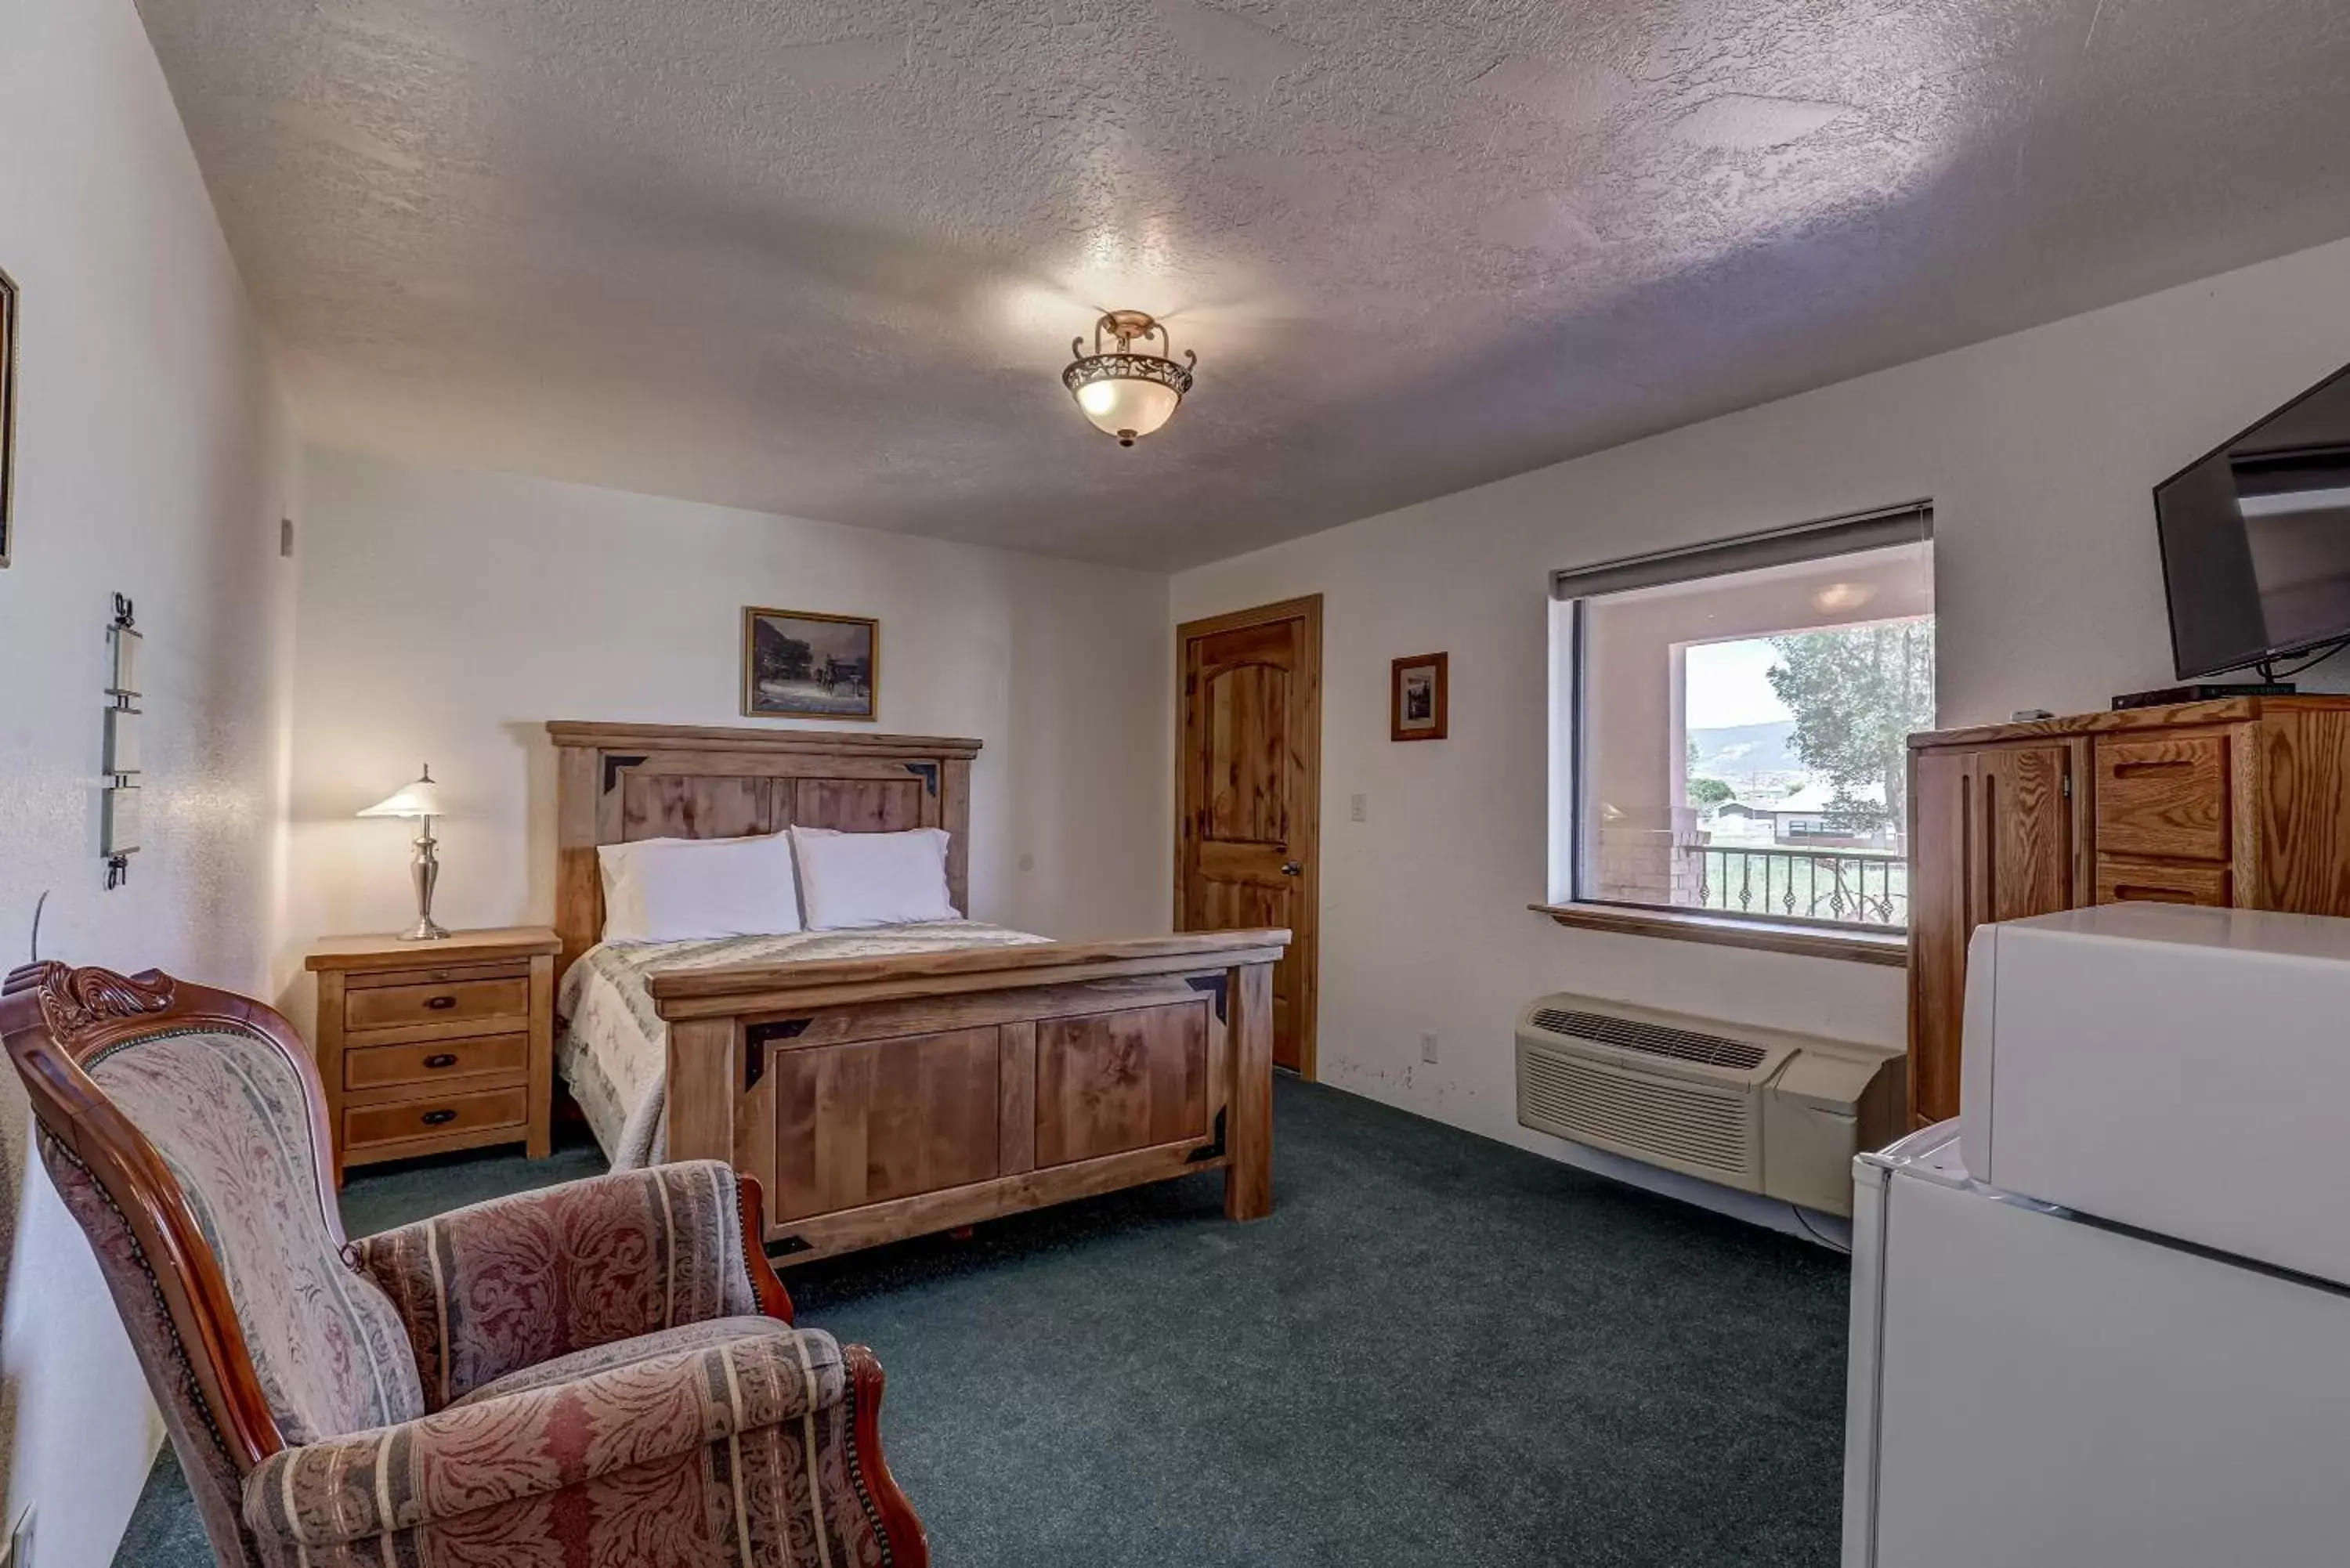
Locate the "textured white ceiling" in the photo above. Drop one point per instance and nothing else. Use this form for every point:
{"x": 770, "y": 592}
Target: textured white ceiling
{"x": 827, "y": 258}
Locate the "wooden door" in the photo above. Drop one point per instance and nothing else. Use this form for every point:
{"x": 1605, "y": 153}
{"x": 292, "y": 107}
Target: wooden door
{"x": 1995, "y": 835}
{"x": 1248, "y": 794}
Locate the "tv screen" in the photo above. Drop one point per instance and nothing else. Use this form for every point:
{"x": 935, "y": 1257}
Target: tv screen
{"x": 2256, "y": 539}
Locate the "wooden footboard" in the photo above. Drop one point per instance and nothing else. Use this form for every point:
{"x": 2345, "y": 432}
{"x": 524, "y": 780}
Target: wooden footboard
{"x": 881, "y": 1098}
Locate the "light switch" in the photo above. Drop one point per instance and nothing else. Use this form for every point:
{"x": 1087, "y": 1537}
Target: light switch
{"x": 1358, "y": 806}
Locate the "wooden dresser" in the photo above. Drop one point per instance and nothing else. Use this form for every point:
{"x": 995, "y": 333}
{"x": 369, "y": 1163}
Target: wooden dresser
{"x": 429, "y": 1046}
{"x": 2244, "y": 801}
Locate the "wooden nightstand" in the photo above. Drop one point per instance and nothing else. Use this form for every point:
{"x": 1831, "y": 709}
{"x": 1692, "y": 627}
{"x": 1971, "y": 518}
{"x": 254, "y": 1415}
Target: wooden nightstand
{"x": 429, "y": 1046}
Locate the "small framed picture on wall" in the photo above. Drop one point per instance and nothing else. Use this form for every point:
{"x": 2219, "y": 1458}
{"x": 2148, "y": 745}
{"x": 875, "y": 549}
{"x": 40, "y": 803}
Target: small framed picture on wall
{"x": 803, "y": 665}
{"x": 1419, "y": 704}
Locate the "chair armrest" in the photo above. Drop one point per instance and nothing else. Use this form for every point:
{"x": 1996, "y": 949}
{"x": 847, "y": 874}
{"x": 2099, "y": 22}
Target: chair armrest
{"x": 518, "y": 1281}
{"x": 434, "y": 1471}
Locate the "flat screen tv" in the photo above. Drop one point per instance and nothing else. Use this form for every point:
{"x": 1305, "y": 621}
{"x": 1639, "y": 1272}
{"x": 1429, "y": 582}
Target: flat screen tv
{"x": 2256, "y": 539}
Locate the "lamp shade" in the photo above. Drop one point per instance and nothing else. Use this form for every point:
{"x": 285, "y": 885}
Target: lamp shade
{"x": 1124, "y": 392}
{"x": 421, "y": 798}
{"x": 1126, "y": 408}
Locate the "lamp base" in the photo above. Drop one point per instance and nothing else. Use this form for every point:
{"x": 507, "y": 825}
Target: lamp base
{"x": 424, "y": 870}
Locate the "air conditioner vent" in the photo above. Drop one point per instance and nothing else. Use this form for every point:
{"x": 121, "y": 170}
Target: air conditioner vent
{"x": 1760, "y": 1109}
{"x": 1705, "y": 1130}
{"x": 1650, "y": 1039}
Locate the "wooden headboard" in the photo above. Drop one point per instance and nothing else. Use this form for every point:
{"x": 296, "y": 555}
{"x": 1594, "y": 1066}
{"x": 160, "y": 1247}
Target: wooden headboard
{"x": 616, "y": 782}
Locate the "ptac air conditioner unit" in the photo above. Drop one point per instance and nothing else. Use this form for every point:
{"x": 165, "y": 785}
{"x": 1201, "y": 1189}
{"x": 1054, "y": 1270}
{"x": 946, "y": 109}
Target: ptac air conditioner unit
{"x": 1781, "y": 1115}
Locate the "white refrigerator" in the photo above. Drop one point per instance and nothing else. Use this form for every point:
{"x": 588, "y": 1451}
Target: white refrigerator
{"x": 2029, "y": 1385}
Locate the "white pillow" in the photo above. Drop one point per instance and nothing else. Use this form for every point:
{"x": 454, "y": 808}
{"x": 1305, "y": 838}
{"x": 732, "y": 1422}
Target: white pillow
{"x": 685, "y": 889}
{"x": 851, "y": 879}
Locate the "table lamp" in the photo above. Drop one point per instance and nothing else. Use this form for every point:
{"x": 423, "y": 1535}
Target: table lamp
{"x": 421, "y": 800}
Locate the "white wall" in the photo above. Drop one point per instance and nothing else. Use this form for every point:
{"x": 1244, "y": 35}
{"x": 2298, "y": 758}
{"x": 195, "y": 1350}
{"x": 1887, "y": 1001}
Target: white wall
{"x": 2038, "y": 451}
{"x": 154, "y": 461}
{"x": 447, "y": 614}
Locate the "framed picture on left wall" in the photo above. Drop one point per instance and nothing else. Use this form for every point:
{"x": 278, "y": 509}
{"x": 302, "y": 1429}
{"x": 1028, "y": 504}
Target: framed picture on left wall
{"x": 7, "y": 417}
{"x": 801, "y": 664}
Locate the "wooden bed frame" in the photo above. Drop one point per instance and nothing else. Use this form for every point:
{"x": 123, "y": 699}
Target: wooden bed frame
{"x": 880, "y": 1098}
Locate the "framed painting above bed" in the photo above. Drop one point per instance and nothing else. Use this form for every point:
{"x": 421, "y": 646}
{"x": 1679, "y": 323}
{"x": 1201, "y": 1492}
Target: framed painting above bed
{"x": 799, "y": 664}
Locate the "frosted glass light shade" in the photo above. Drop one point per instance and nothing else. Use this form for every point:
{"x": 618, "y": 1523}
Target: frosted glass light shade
{"x": 1127, "y": 392}
{"x": 1128, "y": 408}
{"x": 421, "y": 798}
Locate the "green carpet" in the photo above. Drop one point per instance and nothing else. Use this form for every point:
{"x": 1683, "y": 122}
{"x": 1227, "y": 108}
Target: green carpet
{"x": 1438, "y": 1350}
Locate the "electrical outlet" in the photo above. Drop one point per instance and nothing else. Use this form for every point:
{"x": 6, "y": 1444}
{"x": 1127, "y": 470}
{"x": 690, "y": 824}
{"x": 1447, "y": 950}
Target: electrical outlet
{"x": 1427, "y": 1045}
{"x": 1359, "y": 807}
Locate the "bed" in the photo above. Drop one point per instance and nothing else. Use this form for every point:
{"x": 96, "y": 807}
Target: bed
{"x": 891, "y": 1082}
{"x": 613, "y": 1052}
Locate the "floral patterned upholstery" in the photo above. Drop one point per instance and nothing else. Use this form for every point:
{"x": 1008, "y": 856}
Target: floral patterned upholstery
{"x": 622, "y": 1352}
{"x": 576, "y": 1378}
{"x": 231, "y": 1116}
{"x": 212, "y": 1472}
{"x": 522, "y": 1280}
{"x": 734, "y": 1453}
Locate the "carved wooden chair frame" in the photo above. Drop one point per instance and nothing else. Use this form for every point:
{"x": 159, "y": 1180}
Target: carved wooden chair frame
{"x": 56, "y": 1018}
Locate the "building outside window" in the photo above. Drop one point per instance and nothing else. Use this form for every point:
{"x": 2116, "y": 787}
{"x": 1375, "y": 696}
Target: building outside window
{"x": 1731, "y": 737}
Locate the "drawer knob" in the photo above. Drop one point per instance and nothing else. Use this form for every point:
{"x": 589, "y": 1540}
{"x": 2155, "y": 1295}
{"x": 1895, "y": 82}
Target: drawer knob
{"x": 442, "y": 1059}
{"x": 440, "y": 1003}
{"x": 438, "y": 1118}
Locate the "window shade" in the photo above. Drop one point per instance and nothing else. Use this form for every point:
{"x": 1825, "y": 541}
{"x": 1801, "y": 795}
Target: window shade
{"x": 1906, "y": 524}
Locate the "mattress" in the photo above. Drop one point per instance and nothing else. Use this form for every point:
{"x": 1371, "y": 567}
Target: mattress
{"x": 612, "y": 1048}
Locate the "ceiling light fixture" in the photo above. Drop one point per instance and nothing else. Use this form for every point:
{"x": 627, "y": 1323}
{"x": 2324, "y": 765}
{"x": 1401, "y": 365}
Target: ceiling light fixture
{"x": 1125, "y": 394}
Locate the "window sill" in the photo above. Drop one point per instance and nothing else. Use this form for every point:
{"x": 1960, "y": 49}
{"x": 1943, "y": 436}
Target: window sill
{"x": 1890, "y": 948}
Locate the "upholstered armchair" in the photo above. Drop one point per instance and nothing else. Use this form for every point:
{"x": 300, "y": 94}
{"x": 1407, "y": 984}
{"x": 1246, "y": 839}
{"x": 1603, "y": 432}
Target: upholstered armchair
{"x": 592, "y": 1376}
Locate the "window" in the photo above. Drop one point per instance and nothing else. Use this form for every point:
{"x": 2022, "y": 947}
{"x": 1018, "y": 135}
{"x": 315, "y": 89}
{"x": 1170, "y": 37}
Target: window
{"x": 1731, "y": 725}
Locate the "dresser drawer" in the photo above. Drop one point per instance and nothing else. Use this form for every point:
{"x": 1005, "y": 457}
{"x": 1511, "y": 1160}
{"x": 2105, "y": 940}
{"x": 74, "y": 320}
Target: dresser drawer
{"x": 433, "y": 1116}
{"x": 2164, "y": 799}
{"x": 438, "y": 1001}
{"x": 390, "y": 1067}
{"x": 2162, "y": 882}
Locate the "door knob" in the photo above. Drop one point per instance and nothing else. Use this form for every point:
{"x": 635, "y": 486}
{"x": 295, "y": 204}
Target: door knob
{"x": 1292, "y": 869}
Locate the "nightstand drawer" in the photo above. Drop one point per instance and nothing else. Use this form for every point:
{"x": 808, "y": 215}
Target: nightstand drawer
{"x": 390, "y": 1067}
{"x": 433, "y": 1117}
{"x": 432, "y": 1047}
{"x": 451, "y": 1001}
